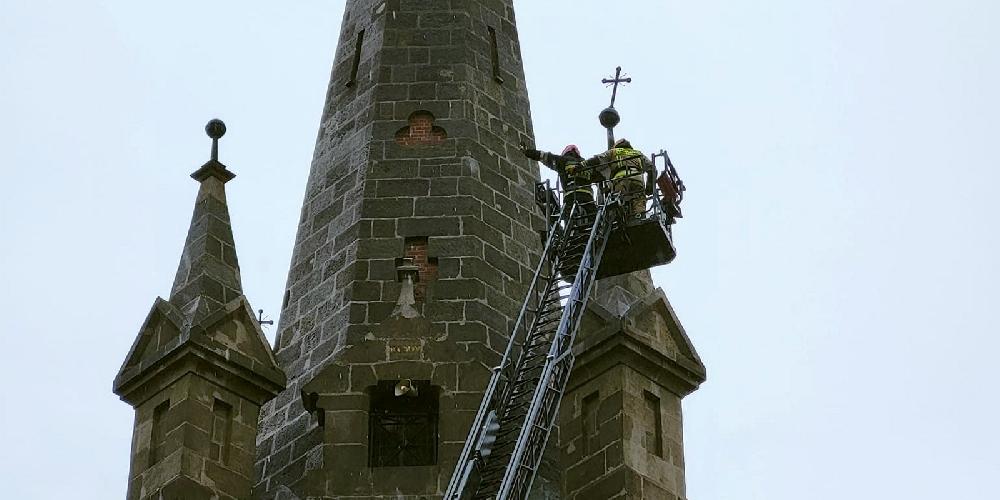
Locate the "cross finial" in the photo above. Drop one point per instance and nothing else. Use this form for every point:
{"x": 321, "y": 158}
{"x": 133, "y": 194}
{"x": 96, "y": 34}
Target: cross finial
{"x": 616, "y": 80}
{"x": 609, "y": 116}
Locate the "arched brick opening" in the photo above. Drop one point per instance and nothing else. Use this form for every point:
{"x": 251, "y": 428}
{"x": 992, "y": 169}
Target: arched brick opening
{"x": 421, "y": 131}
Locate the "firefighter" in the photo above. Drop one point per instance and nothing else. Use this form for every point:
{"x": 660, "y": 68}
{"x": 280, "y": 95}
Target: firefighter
{"x": 575, "y": 180}
{"x": 627, "y": 173}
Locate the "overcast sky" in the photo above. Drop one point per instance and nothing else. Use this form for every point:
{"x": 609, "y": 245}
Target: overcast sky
{"x": 837, "y": 265}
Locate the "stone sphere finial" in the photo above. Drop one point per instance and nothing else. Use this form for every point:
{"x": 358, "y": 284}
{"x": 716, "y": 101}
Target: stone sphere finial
{"x": 215, "y": 128}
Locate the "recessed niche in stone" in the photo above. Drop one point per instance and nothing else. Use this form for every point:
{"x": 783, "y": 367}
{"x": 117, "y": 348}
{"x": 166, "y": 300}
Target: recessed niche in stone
{"x": 415, "y": 248}
{"x": 421, "y": 131}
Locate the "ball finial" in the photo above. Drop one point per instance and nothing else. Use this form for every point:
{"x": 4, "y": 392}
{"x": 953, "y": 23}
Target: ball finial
{"x": 215, "y": 128}
{"x": 609, "y": 117}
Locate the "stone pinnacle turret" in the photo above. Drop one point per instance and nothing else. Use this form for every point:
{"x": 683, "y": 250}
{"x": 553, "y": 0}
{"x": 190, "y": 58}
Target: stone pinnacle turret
{"x": 622, "y": 432}
{"x": 200, "y": 368}
{"x": 208, "y": 275}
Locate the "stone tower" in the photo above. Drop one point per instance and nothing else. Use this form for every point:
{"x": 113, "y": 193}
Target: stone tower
{"x": 200, "y": 368}
{"x": 621, "y": 433}
{"x": 417, "y": 233}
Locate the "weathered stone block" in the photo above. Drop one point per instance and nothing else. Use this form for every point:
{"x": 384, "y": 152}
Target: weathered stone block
{"x": 459, "y": 289}
{"x": 428, "y": 226}
{"x": 403, "y": 187}
{"x": 380, "y": 247}
{"x": 448, "y": 206}
{"x": 387, "y": 208}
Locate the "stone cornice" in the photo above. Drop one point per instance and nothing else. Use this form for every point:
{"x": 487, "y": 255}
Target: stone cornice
{"x": 143, "y": 369}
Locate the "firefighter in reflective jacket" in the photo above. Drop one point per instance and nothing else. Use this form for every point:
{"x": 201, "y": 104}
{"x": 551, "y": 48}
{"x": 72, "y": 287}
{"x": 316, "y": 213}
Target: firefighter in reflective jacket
{"x": 575, "y": 180}
{"x": 627, "y": 171}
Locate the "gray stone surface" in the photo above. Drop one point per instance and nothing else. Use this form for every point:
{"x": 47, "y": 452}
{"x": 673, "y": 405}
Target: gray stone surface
{"x": 199, "y": 370}
{"x": 423, "y": 143}
{"x": 621, "y": 431}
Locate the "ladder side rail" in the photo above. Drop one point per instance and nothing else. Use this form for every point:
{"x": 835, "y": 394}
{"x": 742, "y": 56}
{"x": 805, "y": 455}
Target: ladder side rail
{"x": 458, "y": 482}
{"x": 562, "y": 369}
{"x": 550, "y": 408}
{"x": 464, "y": 467}
{"x": 551, "y": 256}
{"x": 536, "y": 336}
{"x": 583, "y": 280}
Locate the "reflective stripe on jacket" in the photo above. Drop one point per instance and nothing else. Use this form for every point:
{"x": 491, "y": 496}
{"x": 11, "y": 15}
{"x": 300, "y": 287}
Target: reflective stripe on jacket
{"x": 579, "y": 176}
{"x": 625, "y": 162}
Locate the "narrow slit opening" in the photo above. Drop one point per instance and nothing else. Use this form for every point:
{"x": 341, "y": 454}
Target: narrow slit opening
{"x": 495, "y": 55}
{"x": 158, "y": 435}
{"x": 222, "y": 431}
{"x": 654, "y": 425}
{"x": 357, "y": 59}
{"x": 588, "y": 420}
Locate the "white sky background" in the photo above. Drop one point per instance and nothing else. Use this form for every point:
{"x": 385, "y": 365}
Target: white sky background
{"x": 837, "y": 263}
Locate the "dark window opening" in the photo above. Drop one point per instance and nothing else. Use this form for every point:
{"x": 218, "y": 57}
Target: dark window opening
{"x": 403, "y": 424}
{"x": 222, "y": 431}
{"x": 158, "y": 435}
{"x": 357, "y": 59}
{"x": 284, "y": 302}
{"x": 495, "y": 55}
{"x": 654, "y": 424}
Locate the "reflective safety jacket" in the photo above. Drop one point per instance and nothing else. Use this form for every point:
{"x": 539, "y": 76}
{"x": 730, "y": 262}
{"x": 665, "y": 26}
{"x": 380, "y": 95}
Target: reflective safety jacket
{"x": 623, "y": 162}
{"x": 573, "y": 177}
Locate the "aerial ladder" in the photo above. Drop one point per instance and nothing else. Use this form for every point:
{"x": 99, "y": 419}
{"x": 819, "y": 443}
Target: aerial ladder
{"x": 584, "y": 243}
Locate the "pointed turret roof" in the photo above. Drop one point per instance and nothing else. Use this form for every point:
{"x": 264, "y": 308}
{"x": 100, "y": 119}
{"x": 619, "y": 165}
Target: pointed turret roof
{"x": 208, "y": 275}
{"x": 207, "y": 315}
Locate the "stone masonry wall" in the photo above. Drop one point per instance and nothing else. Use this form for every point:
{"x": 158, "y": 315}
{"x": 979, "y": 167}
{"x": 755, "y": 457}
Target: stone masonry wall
{"x": 620, "y": 420}
{"x": 181, "y": 432}
{"x": 422, "y": 145}
{"x": 622, "y": 438}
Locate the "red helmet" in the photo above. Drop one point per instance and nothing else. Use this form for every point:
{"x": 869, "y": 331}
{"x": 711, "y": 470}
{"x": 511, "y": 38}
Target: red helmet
{"x": 571, "y": 149}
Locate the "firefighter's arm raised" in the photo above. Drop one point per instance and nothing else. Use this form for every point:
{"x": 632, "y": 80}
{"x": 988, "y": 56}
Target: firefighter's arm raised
{"x": 551, "y": 160}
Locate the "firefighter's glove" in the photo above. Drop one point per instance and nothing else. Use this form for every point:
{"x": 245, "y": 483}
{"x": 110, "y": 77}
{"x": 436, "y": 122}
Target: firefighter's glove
{"x": 533, "y": 154}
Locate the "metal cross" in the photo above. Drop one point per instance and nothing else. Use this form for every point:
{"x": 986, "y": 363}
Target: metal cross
{"x": 616, "y": 80}
{"x": 261, "y": 320}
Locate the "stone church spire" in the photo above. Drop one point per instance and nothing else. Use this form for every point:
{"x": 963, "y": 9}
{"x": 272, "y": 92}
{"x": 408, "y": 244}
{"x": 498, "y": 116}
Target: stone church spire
{"x": 200, "y": 368}
{"x": 417, "y": 236}
{"x": 208, "y": 275}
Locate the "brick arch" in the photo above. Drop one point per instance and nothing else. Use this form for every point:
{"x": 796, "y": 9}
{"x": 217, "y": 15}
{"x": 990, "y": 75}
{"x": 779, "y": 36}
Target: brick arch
{"x": 421, "y": 131}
